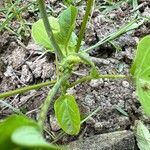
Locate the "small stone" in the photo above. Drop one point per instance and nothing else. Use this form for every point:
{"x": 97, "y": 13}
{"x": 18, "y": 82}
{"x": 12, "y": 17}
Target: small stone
{"x": 123, "y": 122}
{"x": 120, "y": 140}
{"x": 90, "y": 121}
{"x": 41, "y": 68}
{"x": 54, "y": 124}
{"x": 106, "y": 84}
{"x": 100, "y": 61}
{"x": 125, "y": 84}
{"x": 98, "y": 126}
{"x": 89, "y": 100}
{"x": 96, "y": 83}
{"x": 100, "y": 19}
{"x": 9, "y": 71}
{"x": 114, "y": 61}
{"x": 112, "y": 15}
{"x": 47, "y": 70}
{"x": 33, "y": 47}
{"x": 146, "y": 12}
{"x": 134, "y": 95}
{"x": 96, "y": 12}
{"x": 17, "y": 57}
{"x": 26, "y": 75}
{"x": 71, "y": 91}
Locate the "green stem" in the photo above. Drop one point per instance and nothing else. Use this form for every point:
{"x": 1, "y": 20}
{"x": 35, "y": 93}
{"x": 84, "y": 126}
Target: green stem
{"x": 122, "y": 30}
{"x": 49, "y": 29}
{"x": 50, "y": 97}
{"x": 90, "y": 115}
{"x": 135, "y": 7}
{"x": 40, "y": 85}
{"x": 26, "y": 89}
{"x": 7, "y": 105}
{"x": 108, "y": 76}
{"x": 83, "y": 25}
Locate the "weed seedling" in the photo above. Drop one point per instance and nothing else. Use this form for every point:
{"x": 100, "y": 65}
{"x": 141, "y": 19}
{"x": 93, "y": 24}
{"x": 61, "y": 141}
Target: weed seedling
{"x": 58, "y": 36}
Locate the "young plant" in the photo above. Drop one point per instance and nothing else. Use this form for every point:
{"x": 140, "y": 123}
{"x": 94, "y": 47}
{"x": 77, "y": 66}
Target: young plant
{"x": 57, "y": 35}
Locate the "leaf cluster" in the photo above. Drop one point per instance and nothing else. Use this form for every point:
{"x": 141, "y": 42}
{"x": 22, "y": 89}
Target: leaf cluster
{"x": 62, "y": 28}
{"x": 21, "y": 133}
{"x": 66, "y": 108}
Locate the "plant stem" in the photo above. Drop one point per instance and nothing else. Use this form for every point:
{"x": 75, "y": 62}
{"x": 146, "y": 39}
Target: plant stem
{"x": 90, "y": 115}
{"x": 7, "y": 105}
{"x": 40, "y": 85}
{"x": 108, "y": 76}
{"x": 49, "y": 29}
{"x": 83, "y": 25}
{"x": 26, "y": 89}
{"x": 135, "y": 7}
{"x": 50, "y": 97}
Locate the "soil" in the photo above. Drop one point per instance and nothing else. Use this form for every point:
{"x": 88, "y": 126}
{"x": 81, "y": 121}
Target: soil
{"x": 23, "y": 63}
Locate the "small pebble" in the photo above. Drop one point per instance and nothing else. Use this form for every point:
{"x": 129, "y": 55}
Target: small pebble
{"x": 71, "y": 91}
{"x": 96, "y": 83}
{"x": 26, "y": 75}
{"x": 54, "y": 124}
{"x": 53, "y": 1}
{"x": 125, "y": 84}
{"x": 134, "y": 95}
{"x": 90, "y": 121}
{"x": 89, "y": 100}
{"x": 98, "y": 126}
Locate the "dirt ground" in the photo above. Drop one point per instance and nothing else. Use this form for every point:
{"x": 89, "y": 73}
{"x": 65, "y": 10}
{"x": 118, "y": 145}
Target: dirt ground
{"x": 23, "y": 63}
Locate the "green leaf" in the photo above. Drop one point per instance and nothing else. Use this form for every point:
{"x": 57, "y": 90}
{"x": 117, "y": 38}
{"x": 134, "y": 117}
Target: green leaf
{"x": 68, "y": 115}
{"x": 141, "y": 61}
{"x": 141, "y": 72}
{"x": 39, "y": 33}
{"x": 142, "y": 136}
{"x": 143, "y": 92}
{"x": 8, "y": 126}
{"x": 72, "y": 43}
{"x": 67, "y": 24}
{"x": 94, "y": 72}
{"x": 121, "y": 110}
{"x": 62, "y": 27}
{"x": 28, "y": 136}
{"x": 134, "y": 25}
{"x": 68, "y": 2}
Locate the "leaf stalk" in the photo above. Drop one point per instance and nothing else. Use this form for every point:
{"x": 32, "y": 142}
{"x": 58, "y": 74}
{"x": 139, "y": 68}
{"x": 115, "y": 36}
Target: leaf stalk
{"x": 84, "y": 23}
{"x": 50, "y": 97}
{"x": 49, "y": 29}
{"x": 108, "y": 76}
{"x": 26, "y": 89}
